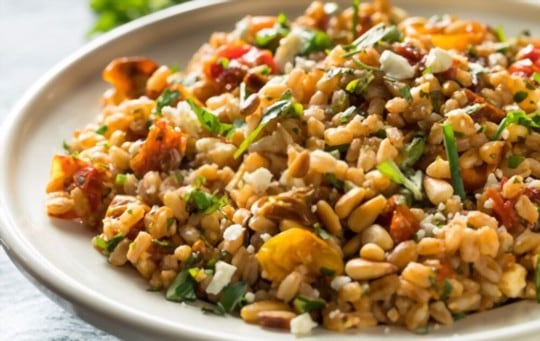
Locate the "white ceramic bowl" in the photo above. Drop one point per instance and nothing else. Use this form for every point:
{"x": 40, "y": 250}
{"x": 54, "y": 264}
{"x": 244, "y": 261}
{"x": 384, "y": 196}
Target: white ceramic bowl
{"x": 57, "y": 255}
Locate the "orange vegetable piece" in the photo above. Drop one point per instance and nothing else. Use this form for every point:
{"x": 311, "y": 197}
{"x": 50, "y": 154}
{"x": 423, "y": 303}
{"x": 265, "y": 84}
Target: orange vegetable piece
{"x": 63, "y": 168}
{"x": 162, "y": 151}
{"x": 129, "y": 74}
{"x": 282, "y": 253}
{"x": 404, "y": 224}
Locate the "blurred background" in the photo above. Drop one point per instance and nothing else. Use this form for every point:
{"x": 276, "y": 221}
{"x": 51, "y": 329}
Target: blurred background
{"x": 34, "y": 36}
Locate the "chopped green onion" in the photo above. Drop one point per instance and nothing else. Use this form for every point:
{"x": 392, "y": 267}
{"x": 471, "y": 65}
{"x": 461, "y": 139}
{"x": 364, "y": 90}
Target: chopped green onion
{"x": 530, "y": 121}
{"x": 413, "y": 152}
{"x": 453, "y": 160}
{"x": 514, "y": 161}
{"x": 108, "y": 246}
{"x": 334, "y": 181}
{"x": 389, "y": 169}
{"x": 120, "y": 179}
{"x": 321, "y": 232}
{"x": 315, "y": 40}
{"x": 304, "y": 304}
{"x": 356, "y": 13}
{"x": 536, "y": 77}
{"x": 347, "y": 115}
{"x": 499, "y": 31}
{"x": 204, "y": 202}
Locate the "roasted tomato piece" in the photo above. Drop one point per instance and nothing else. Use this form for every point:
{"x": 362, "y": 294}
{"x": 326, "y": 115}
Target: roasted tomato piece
{"x": 63, "y": 168}
{"x": 162, "y": 150}
{"x": 282, "y": 253}
{"x": 129, "y": 75}
{"x": 404, "y": 224}
{"x": 503, "y": 209}
{"x": 231, "y": 62}
{"x": 527, "y": 61}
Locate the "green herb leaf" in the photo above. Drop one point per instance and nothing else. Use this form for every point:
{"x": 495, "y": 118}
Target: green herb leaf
{"x": 520, "y": 96}
{"x": 167, "y": 97}
{"x": 447, "y": 290}
{"x": 536, "y": 77}
{"x": 531, "y": 121}
{"x": 389, "y": 169}
{"x": 436, "y": 99}
{"x": 358, "y": 86}
{"x": 514, "y": 161}
{"x": 405, "y": 92}
{"x": 208, "y": 120}
{"x": 232, "y": 296}
{"x": 413, "y": 152}
{"x": 204, "y": 202}
{"x": 285, "y": 107}
{"x": 501, "y": 36}
{"x": 347, "y": 115}
{"x": 102, "y": 130}
{"x": 108, "y": 246}
{"x": 356, "y": 13}
{"x": 304, "y": 304}
{"x": 162, "y": 243}
{"x": 321, "y": 232}
{"x": 327, "y": 272}
{"x": 182, "y": 288}
{"x": 374, "y": 35}
{"x": 315, "y": 41}
{"x": 334, "y": 181}
{"x": 459, "y": 316}
{"x": 120, "y": 179}
{"x": 453, "y": 160}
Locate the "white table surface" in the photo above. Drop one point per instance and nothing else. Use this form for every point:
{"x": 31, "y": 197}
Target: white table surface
{"x": 34, "y": 36}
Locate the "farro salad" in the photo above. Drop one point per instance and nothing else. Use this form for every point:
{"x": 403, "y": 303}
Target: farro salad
{"x": 347, "y": 168}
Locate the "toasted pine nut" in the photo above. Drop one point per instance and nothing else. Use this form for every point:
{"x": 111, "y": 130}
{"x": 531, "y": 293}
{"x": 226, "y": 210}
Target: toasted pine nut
{"x": 364, "y": 215}
{"x": 361, "y": 269}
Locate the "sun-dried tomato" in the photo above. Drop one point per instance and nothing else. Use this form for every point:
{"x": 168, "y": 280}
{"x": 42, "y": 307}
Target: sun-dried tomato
{"x": 404, "y": 224}
{"x": 162, "y": 150}
{"x": 503, "y": 209}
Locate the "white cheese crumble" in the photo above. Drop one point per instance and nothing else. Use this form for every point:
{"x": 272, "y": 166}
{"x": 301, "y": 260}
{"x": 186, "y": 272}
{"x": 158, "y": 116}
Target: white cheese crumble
{"x": 339, "y": 281}
{"x": 438, "y": 60}
{"x": 289, "y": 47}
{"x": 488, "y": 204}
{"x": 233, "y": 232}
{"x": 334, "y": 313}
{"x": 265, "y": 236}
{"x": 250, "y": 297}
{"x": 302, "y": 324}
{"x": 396, "y": 66}
{"x": 260, "y": 179}
{"x": 250, "y": 249}
{"x": 182, "y": 116}
{"x": 222, "y": 277}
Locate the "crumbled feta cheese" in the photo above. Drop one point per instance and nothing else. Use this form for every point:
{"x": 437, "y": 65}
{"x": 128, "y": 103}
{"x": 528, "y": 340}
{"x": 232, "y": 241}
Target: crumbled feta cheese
{"x": 488, "y": 204}
{"x": 491, "y": 180}
{"x": 289, "y": 47}
{"x": 499, "y": 173}
{"x": 250, "y": 249}
{"x": 233, "y": 232}
{"x": 182, "y": 116}
{"x": 249, "y": 296}
{"x": 438, "y": 60}
{"x": 241, "y": 29}
{"x": 260, "y": 179}
{"x": 222, "y": 277}
{"x": 339, "y": 281}
{"x": 396, "y": 66}
{"x": 334, "y": 313}
{"x": 265, "y": 236}
{"x": 302, "y": 324}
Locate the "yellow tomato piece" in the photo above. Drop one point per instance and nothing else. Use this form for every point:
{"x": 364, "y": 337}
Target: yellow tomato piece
{"x": 279, "y": 255}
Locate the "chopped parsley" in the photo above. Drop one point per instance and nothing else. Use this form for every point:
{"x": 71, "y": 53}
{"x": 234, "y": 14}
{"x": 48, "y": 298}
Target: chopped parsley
{"x": 327, "y": 272}
{"x": 304, "y": 304}
{"x": 447, "y": 290}
{"x": 333, "y": 181}
{"x": 405, "y": 92}
{"x": 321, "y": 232}
{"x": 206, "y": 203}
{"x": 108, "y": 246}
{"x": 315, "y": 41}
{"x": 413, "y": 152}
{"x": 232, "y": 298}
{"x": 167, "y": 97}
{"x": 102, "y": 130}
{"x": 531, "y": 121}
{"x": 520, "y": 96}
{"x": 285, "y": 107}
{"x": 514, "y": 161}
{"x": 358, "y": 86}
{"x": 182, "y": 288}
{"x": 208, "y": 120}
{"x": 374, "y": 35}
{"x": 120, "y": 179}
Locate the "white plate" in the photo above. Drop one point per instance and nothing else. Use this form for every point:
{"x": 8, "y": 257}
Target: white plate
{"x": 58, "y": 254}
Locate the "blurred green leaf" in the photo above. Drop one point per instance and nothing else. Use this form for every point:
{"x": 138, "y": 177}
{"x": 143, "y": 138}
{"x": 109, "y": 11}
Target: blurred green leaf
{"x": 112, "y": 13}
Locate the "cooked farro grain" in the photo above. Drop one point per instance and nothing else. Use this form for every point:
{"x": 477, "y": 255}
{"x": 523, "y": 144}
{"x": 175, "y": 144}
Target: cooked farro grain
{"x": 386, "y": 173}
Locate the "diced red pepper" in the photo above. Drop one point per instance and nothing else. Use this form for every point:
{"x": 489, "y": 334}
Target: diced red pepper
{"x": 528, "y": 61}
